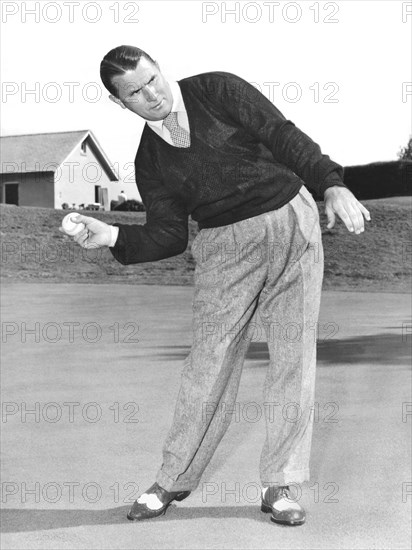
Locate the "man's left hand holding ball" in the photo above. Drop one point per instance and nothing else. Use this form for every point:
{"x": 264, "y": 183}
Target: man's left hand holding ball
{"x": 95, "y": 234}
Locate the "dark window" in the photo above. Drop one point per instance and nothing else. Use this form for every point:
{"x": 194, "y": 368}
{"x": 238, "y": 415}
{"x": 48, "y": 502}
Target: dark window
{"x": 11, "y": 193}
{"x": 83, "y": 147}
{"x": 97, "y": 193}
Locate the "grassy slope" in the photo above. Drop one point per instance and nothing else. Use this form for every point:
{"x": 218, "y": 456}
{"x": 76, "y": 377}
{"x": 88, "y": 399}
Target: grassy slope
{"x": 34, "y": 250}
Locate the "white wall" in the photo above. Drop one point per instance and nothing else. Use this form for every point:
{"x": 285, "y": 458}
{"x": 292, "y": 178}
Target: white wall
{"x": 77, "y": 177}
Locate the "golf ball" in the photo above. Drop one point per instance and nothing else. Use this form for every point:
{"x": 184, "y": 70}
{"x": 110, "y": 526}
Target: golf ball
{"x": 70, "y": 227}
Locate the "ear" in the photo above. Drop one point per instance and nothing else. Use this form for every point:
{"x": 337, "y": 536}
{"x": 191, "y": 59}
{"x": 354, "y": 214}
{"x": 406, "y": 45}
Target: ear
{"x": 117, "y": 100}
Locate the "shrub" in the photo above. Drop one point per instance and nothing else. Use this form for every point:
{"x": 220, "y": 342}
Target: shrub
{"x": 130, "y": 206}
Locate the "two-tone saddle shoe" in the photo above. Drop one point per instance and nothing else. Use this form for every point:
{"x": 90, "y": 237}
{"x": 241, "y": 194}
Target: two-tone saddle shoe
{"x": 284, "y": 508}
{"x": 154, "y": 502}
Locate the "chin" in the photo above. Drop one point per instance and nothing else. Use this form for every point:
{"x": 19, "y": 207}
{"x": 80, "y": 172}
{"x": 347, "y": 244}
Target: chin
{"x": 159, "y": 116}
{"x": 163, "y": 113}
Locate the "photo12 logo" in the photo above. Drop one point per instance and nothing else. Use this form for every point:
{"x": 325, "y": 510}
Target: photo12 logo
{"x": 70, "y": 12}
{"x": 270, "y": 12}
{"x": 51, "y": 92}
{"x": 67, "y": 492}
{"x": 251, "y": 492}
{"x": 69, "y": 411}
{"x": 71, "y": 332}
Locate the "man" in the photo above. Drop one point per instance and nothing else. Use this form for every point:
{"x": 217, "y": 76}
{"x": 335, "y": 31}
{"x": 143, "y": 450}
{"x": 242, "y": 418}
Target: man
{"x": 121, "y": 197}
{"x": 215, "y": 148}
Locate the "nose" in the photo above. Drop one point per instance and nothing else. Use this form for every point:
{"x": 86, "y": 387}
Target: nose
{"x": 150, "y": 93}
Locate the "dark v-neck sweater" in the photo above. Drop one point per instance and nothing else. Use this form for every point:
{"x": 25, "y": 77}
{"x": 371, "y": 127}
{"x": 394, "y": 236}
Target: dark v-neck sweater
{"x": 245, "y": 158}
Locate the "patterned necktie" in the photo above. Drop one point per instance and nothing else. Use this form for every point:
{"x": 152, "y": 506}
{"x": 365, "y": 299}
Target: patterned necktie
{"x": 180, "y": 137}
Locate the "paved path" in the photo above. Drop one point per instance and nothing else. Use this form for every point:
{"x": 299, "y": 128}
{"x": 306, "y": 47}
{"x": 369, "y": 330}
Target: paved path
{"x": 103, "y": 362}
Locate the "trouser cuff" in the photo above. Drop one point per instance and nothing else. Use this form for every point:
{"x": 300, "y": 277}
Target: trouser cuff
{"x": 172, "y": 485}
{"x": 286, "y": 478}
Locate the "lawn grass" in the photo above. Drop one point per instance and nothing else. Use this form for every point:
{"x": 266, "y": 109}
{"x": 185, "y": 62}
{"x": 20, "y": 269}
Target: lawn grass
{"x": 33, "y": 249}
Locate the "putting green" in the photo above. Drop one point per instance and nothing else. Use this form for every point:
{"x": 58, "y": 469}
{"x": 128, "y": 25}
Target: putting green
{"x": 89, "y": 378}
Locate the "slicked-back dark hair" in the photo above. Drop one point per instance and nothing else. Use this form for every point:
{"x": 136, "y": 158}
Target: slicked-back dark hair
{"x": 117, "y": 62}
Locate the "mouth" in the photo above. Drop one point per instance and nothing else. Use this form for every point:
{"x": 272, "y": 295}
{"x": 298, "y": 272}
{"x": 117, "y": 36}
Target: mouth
{"x": 156, "y": 107}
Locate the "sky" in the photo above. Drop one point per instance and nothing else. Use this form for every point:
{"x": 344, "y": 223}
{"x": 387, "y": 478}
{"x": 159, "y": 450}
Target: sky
{"x": 341, "y": 71}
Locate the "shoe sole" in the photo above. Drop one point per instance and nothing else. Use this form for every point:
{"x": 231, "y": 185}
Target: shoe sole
{"x": 267, "y": 509}
{"x": 133, "y": 518}
{"x": 182, "y": 496}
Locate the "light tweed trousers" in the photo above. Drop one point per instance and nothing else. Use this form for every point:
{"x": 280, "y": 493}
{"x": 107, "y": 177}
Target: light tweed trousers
{"x": 273, "y": 262}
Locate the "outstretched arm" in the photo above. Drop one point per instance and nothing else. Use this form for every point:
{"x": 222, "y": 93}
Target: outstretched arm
{"x": 292, "y": 147}
{"x": 164, "y": 234}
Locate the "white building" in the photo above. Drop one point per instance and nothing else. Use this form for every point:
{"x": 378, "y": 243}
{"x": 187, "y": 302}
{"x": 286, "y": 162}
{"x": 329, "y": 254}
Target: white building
{"x": 54, "y": 168}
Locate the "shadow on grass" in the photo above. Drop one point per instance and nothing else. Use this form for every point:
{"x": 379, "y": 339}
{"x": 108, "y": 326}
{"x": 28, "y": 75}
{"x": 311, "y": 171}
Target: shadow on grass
{"x": 16, "y": 520}
{"x": 378, "y": 349}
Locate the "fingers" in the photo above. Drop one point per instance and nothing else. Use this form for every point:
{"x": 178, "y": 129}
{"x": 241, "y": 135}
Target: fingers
{"x": 357, "y": 214}
{"x": 79, "y": 218}
{"x": 364, "y": 211}
{"x": 350, "y": 211}
{"x": 345, "y": 217}
{"x": 356, "y": 219}
{"x": 331, "y": 217}
{"x": 82, "y": 237}
{"x": 86, "y": 239}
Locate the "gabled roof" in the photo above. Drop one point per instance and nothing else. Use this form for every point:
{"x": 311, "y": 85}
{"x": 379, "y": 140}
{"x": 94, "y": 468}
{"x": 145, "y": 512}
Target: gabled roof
{"x": 46, "y": 152}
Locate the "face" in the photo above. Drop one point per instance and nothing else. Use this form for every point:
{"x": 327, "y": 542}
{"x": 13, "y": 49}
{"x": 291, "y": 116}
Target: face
{"x": 144, "y": 91}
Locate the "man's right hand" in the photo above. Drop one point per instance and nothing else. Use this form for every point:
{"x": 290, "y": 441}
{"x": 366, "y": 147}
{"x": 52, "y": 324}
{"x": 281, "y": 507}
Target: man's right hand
{"x": 95, "y": 234}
